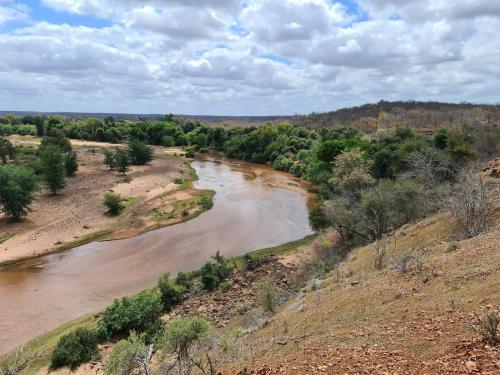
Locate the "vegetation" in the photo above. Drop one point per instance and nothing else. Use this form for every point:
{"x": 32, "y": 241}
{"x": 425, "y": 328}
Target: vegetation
{"x": 139, "y": 152}
{"x": 129, "y": 355}
{"x": 170, "y": 292}
{"x": 53, "y": 168}
{"x": 121, "y": 161}
{"x": 17, "y": 190}
{"x": 114, "y": 202}
{"x": 7, "y": 150}
{"x": 75, "y": 348}
{"x": 268, "y": 296}
{"x": 109, "y": 159}
{"x": 70, "y": 163}
{"x": 214, "y": 273}
{"x": 180, "y": 337}
{"x": 139, "y": 313}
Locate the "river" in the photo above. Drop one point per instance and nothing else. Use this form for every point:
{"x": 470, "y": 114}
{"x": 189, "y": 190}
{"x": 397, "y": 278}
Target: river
{"x": 254, "y": 207}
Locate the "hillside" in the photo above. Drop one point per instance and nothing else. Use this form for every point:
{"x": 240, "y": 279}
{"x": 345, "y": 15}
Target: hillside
{"x": 413, "y": 114}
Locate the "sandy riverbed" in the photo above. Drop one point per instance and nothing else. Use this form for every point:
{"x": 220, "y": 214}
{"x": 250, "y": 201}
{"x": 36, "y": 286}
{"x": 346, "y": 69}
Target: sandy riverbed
{"x": 78, "y": 211}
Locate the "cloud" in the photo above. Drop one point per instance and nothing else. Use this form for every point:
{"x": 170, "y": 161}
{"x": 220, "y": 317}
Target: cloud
{"x": 248, "y": 56}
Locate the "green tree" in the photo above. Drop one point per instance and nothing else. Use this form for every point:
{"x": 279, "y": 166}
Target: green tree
{"x": 181, "y": 336}
{"x": 140, "y": 153}
{"x": 53, "y": 168}
{"x": 170, "y": 292}
{"x": 56, "y": 137}
{"x": 70, "y": 163}
{"x": 109, "y": 159}
{"x": 7, "y": 150}
{"x": 17, "y": 190}
{"x": 121, "y": 160}
{"x": 130, "y": 355}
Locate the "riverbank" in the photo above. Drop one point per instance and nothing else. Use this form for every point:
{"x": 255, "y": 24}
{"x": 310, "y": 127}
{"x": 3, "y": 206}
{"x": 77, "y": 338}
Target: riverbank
{"x": 276, "y": 262}
{"x": 156, "y": 195}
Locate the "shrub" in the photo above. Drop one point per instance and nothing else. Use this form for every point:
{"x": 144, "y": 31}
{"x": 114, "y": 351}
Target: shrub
{"x": 486, "y": 326}
{"x": 225, "y": 286}
{"x": 268, "y": 296}
{"x": 129, "y": 355}
{"x": 139, "y": 152}
{"x": 190, "y": 153}
{"x": 184, "y": 279}
{"x": 206, "y": 202}
{"x": 17, "y": 190}
{"x": 75, "y": 348}
{"x": 139, "y": 313}
{"x": 121, "y": 161}
{"x": 212, "y": 274}
{"x": 114, "y": 202}
{"x": 250, "y": 262}
{"x": 7, "y": 150}
{"x": 109, "y": 159}
{"x": 170, "y": 292}
{"x": 181, "y": 335}
{"x": 70, "y": 163}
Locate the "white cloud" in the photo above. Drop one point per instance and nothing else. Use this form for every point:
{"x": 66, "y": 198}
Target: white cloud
{"x": 248, "y": 57}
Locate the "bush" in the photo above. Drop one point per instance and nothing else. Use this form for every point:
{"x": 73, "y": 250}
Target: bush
{"x": 109, "y": 159}
{"x": 114, "y": 202}
{"x": 250, "y": 262}
{"x": 121, "y": 161}
{"x": 268, "y": 296}
{"x": 190, "y": 153}
{"x": 181, "y": 335}
{"x": 486, "y": 326}
{"x": 184, "y": 279}
{"x": 212, "y": 274}
{"x": 170, "y": 293}
{"x": 74, "y": 349}
{"x": 139, "y": 152}
{"x": 7, "y": 150}
{"x": 206, "y": 202}
{"x": 128, "y": 355}
{"x": 70, "y": 163}
{"x": 139, "y": 313}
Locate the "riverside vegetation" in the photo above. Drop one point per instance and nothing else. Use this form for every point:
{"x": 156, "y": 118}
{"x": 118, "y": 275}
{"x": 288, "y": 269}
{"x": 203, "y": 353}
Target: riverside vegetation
{"x": 369, "y": 186}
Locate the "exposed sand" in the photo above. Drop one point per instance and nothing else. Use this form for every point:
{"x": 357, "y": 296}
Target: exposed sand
{"x": 78, "y": 211}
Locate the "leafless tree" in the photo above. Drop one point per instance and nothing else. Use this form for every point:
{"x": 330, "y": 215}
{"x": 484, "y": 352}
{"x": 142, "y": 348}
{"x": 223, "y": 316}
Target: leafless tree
{"x": 472, "y": 204}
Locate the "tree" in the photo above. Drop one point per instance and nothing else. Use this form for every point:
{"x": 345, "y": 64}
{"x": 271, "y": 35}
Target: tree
{"x": 472, "y": 204}
{"x": 352, "y": 172}
{"x": 70, "y": 163}
{"x": 139, "y": 152}
{"x": 7, "y": 150}
{"x": 129, "y": 355}
{"x": 56, "y": 137}
{"x": 17, "y": 190}
{"x": 109, "y": 159}
{"x": 121, "y": 160}
{"x": 53, "y": 168}
{"x": 170, "y": 292}
{"x": 180, "y": 337}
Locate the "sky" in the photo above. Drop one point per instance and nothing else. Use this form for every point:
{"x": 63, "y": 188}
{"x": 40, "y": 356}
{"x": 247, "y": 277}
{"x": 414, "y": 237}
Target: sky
{"x": 245, "y": 57}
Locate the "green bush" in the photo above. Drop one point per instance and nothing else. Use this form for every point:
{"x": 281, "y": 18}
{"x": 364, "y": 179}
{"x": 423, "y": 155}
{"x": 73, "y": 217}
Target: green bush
{"x": 170, "y": 292}
{"x": 114, "y": 202}
{"x": 212, "y": 274}
{"x": 268, "y": 296}
{"x": 70, "y": 163}
{"x": 139, "y": 152}
{"x": 17, "y": 190}
{"x": 184, "y": 279}
{"x": 206, "y": 202}
{"x": 139, "y": 313}
{"x": 75, "y": 348}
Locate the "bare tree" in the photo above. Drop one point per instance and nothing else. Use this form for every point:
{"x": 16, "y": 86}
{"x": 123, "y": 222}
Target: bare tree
{"x": 472, "y": 204}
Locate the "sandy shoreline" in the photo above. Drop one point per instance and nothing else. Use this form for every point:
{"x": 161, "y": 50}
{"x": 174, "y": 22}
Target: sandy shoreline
{"x": 77, "y": 215}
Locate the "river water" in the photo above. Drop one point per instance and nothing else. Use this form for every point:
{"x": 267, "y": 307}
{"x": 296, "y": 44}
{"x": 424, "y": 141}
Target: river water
{"x": 254, "y": 207}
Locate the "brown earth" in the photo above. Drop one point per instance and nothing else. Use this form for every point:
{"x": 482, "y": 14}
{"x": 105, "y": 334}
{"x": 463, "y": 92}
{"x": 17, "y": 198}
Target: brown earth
{"x": 77, "y": 214}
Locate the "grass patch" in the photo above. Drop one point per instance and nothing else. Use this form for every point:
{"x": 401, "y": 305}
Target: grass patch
{"x": 95, "y": 236}
{"x": 286, "y": 248}
{"x": 5, "y": 237}
{"x": 184, "y": 208}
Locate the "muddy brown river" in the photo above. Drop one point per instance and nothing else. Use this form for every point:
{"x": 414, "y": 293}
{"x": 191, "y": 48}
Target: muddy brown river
{"x": 254, "y": 207}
